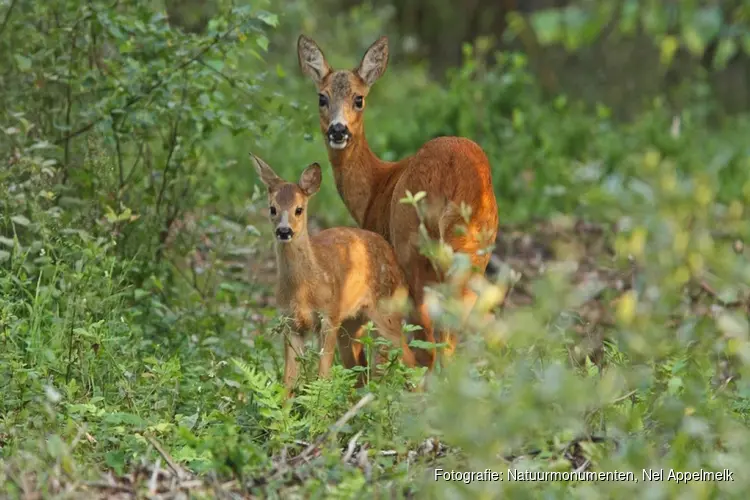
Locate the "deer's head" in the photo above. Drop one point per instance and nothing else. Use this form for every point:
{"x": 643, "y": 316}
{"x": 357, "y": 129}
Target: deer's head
{"x": 342, "y": 93}
{"x": 287, "y": 201}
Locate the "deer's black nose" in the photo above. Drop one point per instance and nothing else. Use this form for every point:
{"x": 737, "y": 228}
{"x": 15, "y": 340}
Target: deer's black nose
{"x": 338, "y": 132}
{"x": 284, "y": 233}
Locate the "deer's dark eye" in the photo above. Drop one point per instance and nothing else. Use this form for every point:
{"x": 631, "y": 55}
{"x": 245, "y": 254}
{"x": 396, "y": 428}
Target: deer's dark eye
{"x": 273, "y": 210}
{"x": 322, "y": 100}
{"x": 359, "y": 102}
{"x": 298, "y": 212}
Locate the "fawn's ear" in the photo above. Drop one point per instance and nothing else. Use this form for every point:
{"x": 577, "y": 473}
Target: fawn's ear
{"x": 310, "y": 179}
{"x": 312, "y": 62}
{"x": 374, "y": 62}
{"x": 266, "y": 173}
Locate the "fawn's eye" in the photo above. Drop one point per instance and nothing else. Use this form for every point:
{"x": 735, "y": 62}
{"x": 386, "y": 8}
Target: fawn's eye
{"x": 298, "y": 212}
{"x": 359, "y": 102}
{"x": 273, "y": 210}
{"x": 322, "y": 100}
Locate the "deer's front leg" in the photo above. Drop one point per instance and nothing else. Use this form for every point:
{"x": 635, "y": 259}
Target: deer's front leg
{"x": 328, "y": 337}
{"x": 294, "y": 348}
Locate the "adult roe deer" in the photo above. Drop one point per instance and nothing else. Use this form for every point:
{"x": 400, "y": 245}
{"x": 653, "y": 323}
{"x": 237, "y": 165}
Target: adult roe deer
{"x": 451, "y": 170}
{"x": 338, "y": 273}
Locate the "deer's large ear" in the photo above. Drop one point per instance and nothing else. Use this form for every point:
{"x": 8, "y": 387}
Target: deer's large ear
{"x": 310, "y": 179}
{"x": 374, "y": 62}
{"x": 266, "y": 173}
{"x": 312, "y": 62}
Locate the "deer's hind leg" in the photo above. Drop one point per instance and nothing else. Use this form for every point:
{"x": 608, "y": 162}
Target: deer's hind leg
{"x": 418, "y": 274}
{"x": 350, "y": 350}
{"x": 389, "y": 326}
{"x": 350, "y": 331}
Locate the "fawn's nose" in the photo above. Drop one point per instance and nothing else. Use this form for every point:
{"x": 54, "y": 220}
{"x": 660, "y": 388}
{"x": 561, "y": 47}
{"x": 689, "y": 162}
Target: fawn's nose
{"x": 284, "y": 233}
{"x": 338, "y": 132}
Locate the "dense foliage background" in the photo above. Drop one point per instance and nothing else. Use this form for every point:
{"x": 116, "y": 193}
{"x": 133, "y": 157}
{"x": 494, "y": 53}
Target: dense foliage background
{"x": 140, "y": 348}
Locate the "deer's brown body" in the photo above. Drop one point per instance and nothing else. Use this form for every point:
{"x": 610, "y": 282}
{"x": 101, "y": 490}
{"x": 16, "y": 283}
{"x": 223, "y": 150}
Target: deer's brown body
{"x": 451, "y": 171}
{"x": 336, "y": 275}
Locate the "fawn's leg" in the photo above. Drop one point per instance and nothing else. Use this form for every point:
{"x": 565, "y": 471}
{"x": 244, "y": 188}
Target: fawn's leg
{"x": 294, "y": 348}
{"x": 328, "y": 338}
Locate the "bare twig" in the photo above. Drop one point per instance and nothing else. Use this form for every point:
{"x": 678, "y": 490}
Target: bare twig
{"x": 583, "y": 466}
{"x": 351, "y": 446}
{"x": 715, "y": 295}
{"x": 313, "y": 448}
{"x": 172, "y": 148}
{"x": 167, "y": 458}
{"x": 70, "y": 340}
{"x": 112, "y": 487}
{"x": 154, "y": 476}
{"x": 118, "y": 151}
{"x": 623, "y": 397}
{"x": 336, "y": 427}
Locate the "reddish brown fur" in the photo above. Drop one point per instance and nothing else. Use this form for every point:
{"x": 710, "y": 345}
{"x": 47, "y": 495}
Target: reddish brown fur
{"x": 342, "y": 274}
{"x": 451, "y": 170}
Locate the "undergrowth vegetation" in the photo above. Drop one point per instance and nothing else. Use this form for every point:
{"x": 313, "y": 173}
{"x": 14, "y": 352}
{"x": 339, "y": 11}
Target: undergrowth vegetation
{"x": 138, "y": 331}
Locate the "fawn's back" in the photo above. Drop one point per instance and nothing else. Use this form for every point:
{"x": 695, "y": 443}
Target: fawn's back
{"x": 352, "y": 271}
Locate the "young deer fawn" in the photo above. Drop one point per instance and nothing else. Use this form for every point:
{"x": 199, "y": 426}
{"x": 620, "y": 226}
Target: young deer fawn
{"x": 339, "y": 274}
{"x": 451, "y": 171}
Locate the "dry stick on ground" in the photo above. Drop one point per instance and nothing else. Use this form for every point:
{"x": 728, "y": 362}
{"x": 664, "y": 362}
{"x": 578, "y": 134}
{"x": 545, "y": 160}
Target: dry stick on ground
{"x": 167, "y": 458}
{"x": 154, "y": 476}
{"x": 351, "y": 447}
{"x": 310, "y": 451}
{"x": 339, "y": 424}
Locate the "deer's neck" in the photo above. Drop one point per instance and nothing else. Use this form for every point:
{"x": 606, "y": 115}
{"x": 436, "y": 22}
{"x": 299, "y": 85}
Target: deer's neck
{"x": 295, "y": 260}
{"x": 360, "y": 177}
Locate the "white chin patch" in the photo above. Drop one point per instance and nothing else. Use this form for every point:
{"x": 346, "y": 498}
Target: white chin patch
{"x": 338, "y": 145}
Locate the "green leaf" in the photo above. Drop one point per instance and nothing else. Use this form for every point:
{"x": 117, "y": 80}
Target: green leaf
{"x": 708, "y": 21}
{"x": 270, "y": 19}
{"x": 725, "y": 51}
{"x": 668, "y": 46}
{"x": 4, "y": 255}
{"x": 629, "y": 17}
{"x": 674, "y": 385}
{"x": 693, "y": 41}
{"x": 262, "y": 42}
{"x": 216, "y": 64}
{"x": 24, "y": 63}
{"x": 705, "y": 24}
{"x": 546, "y": 25}
{"x": 115, "y": 460}
{"x": 124, "y": 418}
{"x": 421, "y": 344}
{"x": 654, "y": 19}
{"x": 20, "y": 220}
{"x": 746, "y": 43}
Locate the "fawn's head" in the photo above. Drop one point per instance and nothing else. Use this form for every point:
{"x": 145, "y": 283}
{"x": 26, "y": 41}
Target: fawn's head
{"x": 342, "y": 93}
{"x": 287, "y": 201}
